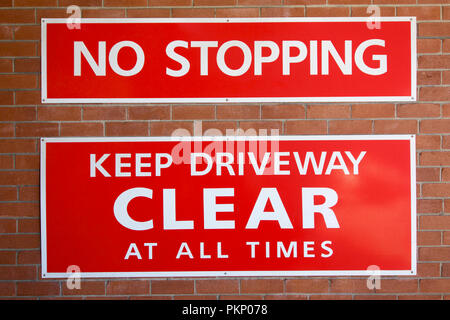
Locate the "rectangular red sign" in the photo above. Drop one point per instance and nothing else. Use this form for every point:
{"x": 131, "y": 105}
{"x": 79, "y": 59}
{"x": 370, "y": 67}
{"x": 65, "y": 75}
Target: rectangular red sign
{"x": 229, "y": 60}
{"x": 228, "y": 206}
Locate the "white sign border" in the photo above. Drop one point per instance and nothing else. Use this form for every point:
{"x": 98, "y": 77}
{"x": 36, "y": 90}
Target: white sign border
{"x": 411, "y": 98}
{"x": 276, "y": 273}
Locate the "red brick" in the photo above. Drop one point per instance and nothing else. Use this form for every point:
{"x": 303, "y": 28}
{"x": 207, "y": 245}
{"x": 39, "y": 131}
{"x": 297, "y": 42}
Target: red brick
{"x": 347, "y": 2}
{"x": 331, "y": 297}
{"x": 327, "y": 11}
{"x": 260, "y": 126}
{"x": 349, "y": 286}
{"x": 6, "y": 3}
{"x": 38, "y": 288}
{"x": 421, "y": 110}
{"x": 7, "y": 289}
{"x": 7, "y": 257}
{"x": 17, "y": 16}
{"x": 17, "y": 145}
{"x": 6, "y": 65}
{"x": 217, "y": 286}
{"x": 6, "y": 162}
{"x": 215, "y": 3}
{"x": 19, "y": 241}
{"x": 237, "y": 12}
{"x": 149, "y": 113}
{"x": 7, "y": 225}
{"x": 80, "y": 3}
{"x": 127, "y": 287}
{"x": 125, "y": 3}
{"x": 149, "y": 13}
{"x": 87, "y": 288}
{"x": 435, "y": 126}
{"x": 433, "y": 61}
{"x": 435, "y": 158}
{"x": 238, "y": 112}
{"x": 172, "y": 287}
{"x": 306, "y": 127}
{"x": 81, "y": 129}
{"x": 328, "y": 111}
{"x": 446, "y": 45}
{"x": 373, "y": 110}
{"x": 6, "y": 130}
{"x": 193, "y": 12}
{"x": 428, "y": 142}
{"x": 27, "y": 65}
{"x": 18, "y": 81}
{"x": 193, "y": 112}
{"x": 446, "y": 77}
{"x": 283, "y": 12}
{"x": 428, "y": 270}
{"x": 428, "y": 77}
{"x": 435, "y": 285}
{"x": 445, "y": 174}
{"x": 6, "y": 98}
{"x": 435, "y": 190}
{"x": 433, "y": 29}
{"x": 169, "y": 3}
{"x": 428, "y": 238}
{"x": 35, "y": 3}
{"x": 395, "y": 126}
{"x": 17, "y": 273}
{"x": 19, "y": 177}
{"x": 17, "y": 209}
{"x": 241, "y": 297}
{"x": 262, "y": 286}
{"x": 385, "y": 11}
{"x": 8, "y": 194}
{"x": 196, "y": 297}
{"x": 27, "y": 32}
{"x": 285, "y": 297}
{"x": 37, "y": 129}
{"x": 419, "y": 297}
{"x": 304, "y": 2}
{"x": 6, "y": 32}
{"x": 52, "y": 13}
{"x": 429, "y": 206}
{"x": 28, "y": 97}
{"x": 104, "y": 13}
{"x": 427, "y": 174}
{"x": 165, "y": 128}
{"x": 213, "y": 128}
{"x": 60, "y": 113}
{"x": 28, "y": 226}
{"x": 446, "y": 269}
{"x": 434, "y": 253}
{"x": 27, "y": 161}
{"x": 431, "y": 222}
{"x": 422, "y": 12}
{"x": 428, "y": 45}
{"x": 126, "y": 129}
{"x": 446, "y": 238}
{"x": 29, "y": 257}
{"x": 307, "y": 286}
{"x": 283, "y": 111}
{"x": 350, "y": 127}
{"x": 29, "y": 193}
{"x": 104, "y": 113}
{"x": 260, "y": 2}
{"x": 374, "y": 297}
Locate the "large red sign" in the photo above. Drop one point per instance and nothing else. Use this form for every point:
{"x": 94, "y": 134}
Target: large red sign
{"x": 228, "y": 206}
{"x": 229, "y": 60}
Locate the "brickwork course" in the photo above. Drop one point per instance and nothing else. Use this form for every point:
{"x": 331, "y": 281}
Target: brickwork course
{"x": 23, "y": 120}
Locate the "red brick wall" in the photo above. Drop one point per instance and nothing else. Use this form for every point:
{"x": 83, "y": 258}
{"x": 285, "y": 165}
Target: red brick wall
{"x": 23, "y": 120}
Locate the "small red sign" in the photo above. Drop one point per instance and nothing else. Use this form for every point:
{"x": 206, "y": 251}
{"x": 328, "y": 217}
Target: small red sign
{"x": 228, "y": 206}
{"x": 229, "y": 60}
